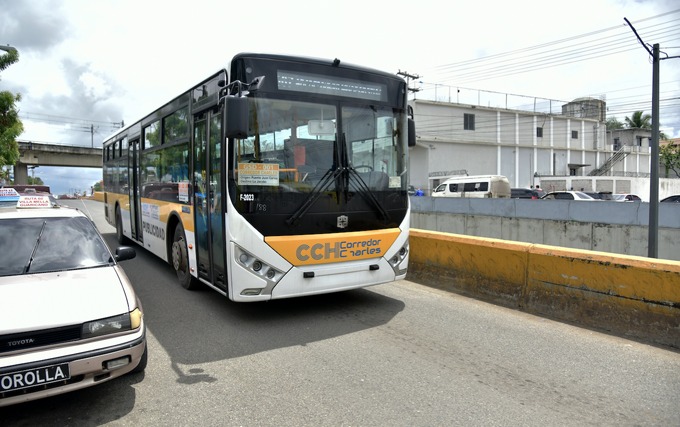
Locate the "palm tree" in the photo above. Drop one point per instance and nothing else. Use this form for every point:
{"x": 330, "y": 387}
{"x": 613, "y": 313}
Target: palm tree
{"x": 639, "y": 120}
{"x": 642, "y": 121}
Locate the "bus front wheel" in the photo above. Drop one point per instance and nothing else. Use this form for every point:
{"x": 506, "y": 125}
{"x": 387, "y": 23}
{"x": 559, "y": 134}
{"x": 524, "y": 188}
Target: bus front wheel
{"x": 119, "y": 228}
{"x": 180, "y": 259}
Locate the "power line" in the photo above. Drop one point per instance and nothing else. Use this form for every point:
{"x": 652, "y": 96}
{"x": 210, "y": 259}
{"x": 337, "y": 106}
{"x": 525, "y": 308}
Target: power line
{"x": 525, "y": 60}
{"x": 61, "y": 119}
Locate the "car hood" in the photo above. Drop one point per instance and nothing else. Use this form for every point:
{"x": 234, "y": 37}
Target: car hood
{"x": 51, "y": 300}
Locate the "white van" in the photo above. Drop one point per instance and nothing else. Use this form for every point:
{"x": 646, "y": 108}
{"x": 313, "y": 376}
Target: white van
{"x": 481, "y": 186}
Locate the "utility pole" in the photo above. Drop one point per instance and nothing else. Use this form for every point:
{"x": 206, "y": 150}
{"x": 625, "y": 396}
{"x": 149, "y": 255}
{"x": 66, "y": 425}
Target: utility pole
{"x": 653, "y": 237}
{"x": 408, "y": 80}
{"x": 92, "y": 130}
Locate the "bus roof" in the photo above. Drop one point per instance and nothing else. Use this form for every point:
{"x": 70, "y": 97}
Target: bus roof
{"x": 277, "y": 57}
{"x": 316, "y": 61}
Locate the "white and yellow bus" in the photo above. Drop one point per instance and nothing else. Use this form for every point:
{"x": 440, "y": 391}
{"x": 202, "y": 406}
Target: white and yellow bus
{"x": 275, "y": 177}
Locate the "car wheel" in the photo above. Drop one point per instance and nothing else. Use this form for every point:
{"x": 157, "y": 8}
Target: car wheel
{"x": 142, "y": 362}
{"x": 180, "y": 260}
{"x": 119, "y": 229}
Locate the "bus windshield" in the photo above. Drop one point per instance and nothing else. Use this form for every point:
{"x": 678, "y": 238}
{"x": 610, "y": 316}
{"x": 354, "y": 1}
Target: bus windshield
{"x": 294, "y": 147}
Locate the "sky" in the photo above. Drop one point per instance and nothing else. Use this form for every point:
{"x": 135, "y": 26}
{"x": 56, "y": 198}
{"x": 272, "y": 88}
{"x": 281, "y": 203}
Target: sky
{"x": 87, "y": 64}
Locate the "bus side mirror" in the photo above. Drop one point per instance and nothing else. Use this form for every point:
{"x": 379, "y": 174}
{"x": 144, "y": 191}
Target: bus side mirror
{"x": 236, "y": 125}
{"x": 411, "y": 133}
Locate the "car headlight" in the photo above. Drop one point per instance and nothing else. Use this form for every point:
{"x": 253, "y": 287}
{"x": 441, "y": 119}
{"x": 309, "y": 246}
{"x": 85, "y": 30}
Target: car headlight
{"x": 110, "y": 325}
{"x": 135, "y": 318}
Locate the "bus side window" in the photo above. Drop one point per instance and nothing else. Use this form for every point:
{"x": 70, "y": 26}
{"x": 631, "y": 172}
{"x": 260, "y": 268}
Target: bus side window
{"x": 453, "y": 188}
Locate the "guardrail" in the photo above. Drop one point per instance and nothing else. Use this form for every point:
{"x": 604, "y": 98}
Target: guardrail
{"x": 629, "y": 295}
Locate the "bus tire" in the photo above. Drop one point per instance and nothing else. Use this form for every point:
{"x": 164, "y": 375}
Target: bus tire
{"x": 119, "y": 228}
{"x": 180, "y": 259}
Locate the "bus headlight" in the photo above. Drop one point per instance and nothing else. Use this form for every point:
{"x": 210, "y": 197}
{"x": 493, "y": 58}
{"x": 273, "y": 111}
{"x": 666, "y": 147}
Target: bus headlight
{"x": 259, "y": 268}
{"x": 397, "y": 260}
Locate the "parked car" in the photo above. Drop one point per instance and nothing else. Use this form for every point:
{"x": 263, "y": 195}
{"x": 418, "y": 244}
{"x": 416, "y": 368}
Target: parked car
{"x": 69, "y": 318}
{"x": 481, "y": 186}
{"x": 626, "y": 198}
{"x": 526, "y": 193}
{"x": 567, "y": 195}
{"x": 671, "y": 199}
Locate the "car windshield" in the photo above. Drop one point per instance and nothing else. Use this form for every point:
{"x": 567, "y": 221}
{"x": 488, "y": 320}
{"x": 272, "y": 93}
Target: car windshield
{"x": 38, "y": 245}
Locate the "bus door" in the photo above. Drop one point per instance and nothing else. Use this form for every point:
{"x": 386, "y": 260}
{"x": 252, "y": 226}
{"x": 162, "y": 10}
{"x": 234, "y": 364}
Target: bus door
{"x": 209, "y": 198}
{"x": 133, "y": 174}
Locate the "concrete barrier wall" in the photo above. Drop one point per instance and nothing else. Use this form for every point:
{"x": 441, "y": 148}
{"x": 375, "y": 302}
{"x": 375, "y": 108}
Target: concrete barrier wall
{"x": 614, "y": 238}
{"x": 619, "y": 228}
{"x": 630, "y": 295}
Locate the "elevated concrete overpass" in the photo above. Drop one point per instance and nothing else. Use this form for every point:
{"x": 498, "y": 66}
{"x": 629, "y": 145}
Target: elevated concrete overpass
{"x": 39, "y": 154}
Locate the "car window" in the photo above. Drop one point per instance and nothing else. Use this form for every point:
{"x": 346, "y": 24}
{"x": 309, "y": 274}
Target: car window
{"x": 66, "y": 243}
{"x": 564, "y": 196}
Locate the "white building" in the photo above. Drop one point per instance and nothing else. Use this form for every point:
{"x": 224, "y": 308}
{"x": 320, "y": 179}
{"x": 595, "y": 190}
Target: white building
{"x": 457, "y": 139}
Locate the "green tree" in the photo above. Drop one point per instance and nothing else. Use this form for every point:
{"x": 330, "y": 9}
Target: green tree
{"x": 10, "y": 125}
{"x": 669, "y": 154}
{"x": 35, "y": 181}
{"x": 614, "y": 124}
{"x": 639, "y": 120}
{"x": 97, "y": 186}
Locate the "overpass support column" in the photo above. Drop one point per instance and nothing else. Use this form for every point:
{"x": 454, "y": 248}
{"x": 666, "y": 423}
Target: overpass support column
{"x": 21, "y": 174}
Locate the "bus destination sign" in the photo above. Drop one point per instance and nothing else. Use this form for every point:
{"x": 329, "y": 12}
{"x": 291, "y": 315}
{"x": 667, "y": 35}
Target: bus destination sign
{"x": 258, "y": 174}
{"x": 328, "y": 85}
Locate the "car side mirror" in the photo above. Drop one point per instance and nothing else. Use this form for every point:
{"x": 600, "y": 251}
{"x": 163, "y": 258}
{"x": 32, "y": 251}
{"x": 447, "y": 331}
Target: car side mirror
{"x": 124, "y": 253}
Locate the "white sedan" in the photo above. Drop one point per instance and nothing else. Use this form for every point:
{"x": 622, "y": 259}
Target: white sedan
{"x": 626, "y": 198}
{"x": 568, "y": 195}
{"x": 69, "y": 317}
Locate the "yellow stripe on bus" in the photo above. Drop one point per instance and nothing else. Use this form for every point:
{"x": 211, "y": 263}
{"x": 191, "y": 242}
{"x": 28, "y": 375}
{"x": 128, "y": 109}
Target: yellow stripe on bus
{"x": 165, "y": 208}
{"x": 337, "y": 247}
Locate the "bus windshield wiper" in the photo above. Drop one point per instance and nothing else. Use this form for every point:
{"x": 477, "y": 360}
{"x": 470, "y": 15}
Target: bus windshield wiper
{"x": 327, "y": 178}
{"x": 362, "y": 187}
{"x": 35, "y": 248}
{"x": 325, "y": 181}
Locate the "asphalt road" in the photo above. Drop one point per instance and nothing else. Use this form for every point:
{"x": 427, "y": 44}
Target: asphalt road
{"x": 399, "y": 354}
